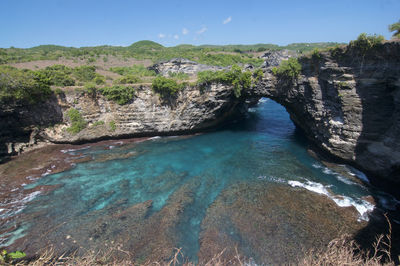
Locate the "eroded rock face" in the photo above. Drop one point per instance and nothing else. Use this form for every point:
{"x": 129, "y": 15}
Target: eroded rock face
{"x": 181, "y": 65}
{"x": 19, "y": 124}
{"x": 348, "y": 104}
{"x": 146, "y": 115}
{"x": 274, "y": 58}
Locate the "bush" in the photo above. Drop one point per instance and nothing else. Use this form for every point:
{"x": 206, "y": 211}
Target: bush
{"x": 77, "y": 121}
{"x": 90, "y": 88}
{"x": 316, "y": 55}
{"x": 290, "y": 69}
{"x": 99, "y": 79}
{"x": 137, "y": 70}
{"x": 396, "y": 28}
{"x": 128, "y": 79}
{"x": 112, "y": 125}
{"x": 166, "y": 87}
{"x": 258, "y": 74}
{"x": 58, "y": 91}
{"x": 85, "y": 73}
{"x": 22, "y": 86}
{"x": 365, "y": 42}
{"x": 58, "y": 75}
{"x": 119, "y": 94}
{"x": 98, "y": 123}
{"x": 235, "y": 77}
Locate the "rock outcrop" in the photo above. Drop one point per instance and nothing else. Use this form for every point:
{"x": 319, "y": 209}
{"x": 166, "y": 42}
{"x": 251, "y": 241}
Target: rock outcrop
{"x": 348, "y": 104}
{"x": 274, "y": 58}
{"x": 146, "y": 114}
{"x": 181, "y": 65}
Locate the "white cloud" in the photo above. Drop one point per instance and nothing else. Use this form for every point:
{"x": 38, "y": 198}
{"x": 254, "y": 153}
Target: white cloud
{"x": 226, "y": 21}
{"x": 161, "y": 35}
{"x": 176, "y": 36}
{"x": 185, "y": 31}
{"x": 202, "y": 30}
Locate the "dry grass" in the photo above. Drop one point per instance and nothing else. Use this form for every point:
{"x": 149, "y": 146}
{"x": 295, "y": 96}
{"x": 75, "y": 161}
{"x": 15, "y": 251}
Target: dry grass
{"x": 345, "y": 251}
{"x": 48, "y": 259}
{"x": 340, "y": 251}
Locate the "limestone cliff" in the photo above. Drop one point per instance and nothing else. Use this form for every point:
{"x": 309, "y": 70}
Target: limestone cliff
{"x": 145, "y": 115}
{"x": 348, "y": 104}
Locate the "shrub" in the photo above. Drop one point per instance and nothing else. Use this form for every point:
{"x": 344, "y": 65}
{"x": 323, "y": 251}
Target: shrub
{"x": 85, "y": 73}
{"x": 22, "y": 86}
{"x": 258, "y": 74}
{"x": 112, "y": 125}
{"x": 58, "y": 75}
{"x": 99, "y": 79}
{"x": 137, "y": 70}
{"x": 98, "y": 123}
{"x": 365, "y": 42}
{"x": 396, "y": 28}
{"x": 316, "y": 55}
{"x": 119, "y": 94}
{"x": 90, "y": 88}
{"x": 77, "y": 121}
{"x": 166, "y": 87}
{"x": 58, "y": 91}
{"x": 235, "y": 77}
{"x": 128, "y": 79}
{"x": 290, "y": 69}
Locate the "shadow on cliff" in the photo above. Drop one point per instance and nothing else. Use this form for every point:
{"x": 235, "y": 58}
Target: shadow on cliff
{"x": 21, "y": 124}
{"x": 380, "y": 128}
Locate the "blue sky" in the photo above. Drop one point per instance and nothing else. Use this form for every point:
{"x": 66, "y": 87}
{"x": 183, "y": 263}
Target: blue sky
{"x": 27, "y": 23}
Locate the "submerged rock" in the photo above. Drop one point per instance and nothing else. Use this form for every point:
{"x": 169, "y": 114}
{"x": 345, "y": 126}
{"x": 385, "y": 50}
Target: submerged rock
{"x": 270, "y": 224}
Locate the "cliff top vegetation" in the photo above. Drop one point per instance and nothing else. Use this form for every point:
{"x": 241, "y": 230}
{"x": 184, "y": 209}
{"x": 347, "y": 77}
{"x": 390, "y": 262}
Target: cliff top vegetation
{"x": 220, "y": 55}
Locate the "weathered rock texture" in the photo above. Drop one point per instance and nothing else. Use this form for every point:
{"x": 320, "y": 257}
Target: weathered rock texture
{"x": 181, "y": 65}
{"x": 348, "y": 104}
{"x": 146, "y": 115}
{"x": 274, "y": 58}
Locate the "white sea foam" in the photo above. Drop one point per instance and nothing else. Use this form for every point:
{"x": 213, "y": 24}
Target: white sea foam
{"x": 354, "y": 172}
{"x": 263, "y": 100}
{"x": 328, "y": 171}
{"x": 48, "y": 171}
{"x": 156, "y": 137}
{"x": 312, "y": 186}
{"x": 111, "y": 147}
{"x": 73, "y": 150}
{"x": 317, "y": 165}
{"x": 362, "y": 206}
{"x": 277, "y": 179}
{"x": 252, "y": 110}
{"x": 345, "y": 180}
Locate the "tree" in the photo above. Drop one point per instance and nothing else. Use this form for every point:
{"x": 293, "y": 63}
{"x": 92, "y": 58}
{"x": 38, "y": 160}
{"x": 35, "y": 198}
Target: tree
{"x": 396, "y": 28}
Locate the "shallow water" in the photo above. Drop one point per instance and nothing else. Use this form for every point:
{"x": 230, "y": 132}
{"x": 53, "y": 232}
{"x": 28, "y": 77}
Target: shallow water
{"x": 263, "y": 149}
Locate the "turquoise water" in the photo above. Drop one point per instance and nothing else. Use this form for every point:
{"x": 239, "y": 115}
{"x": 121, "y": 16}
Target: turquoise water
{"x": 264, "y": 148}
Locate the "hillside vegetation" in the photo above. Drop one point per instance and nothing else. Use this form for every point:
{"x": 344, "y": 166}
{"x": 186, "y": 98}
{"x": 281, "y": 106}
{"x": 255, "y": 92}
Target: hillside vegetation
{"x": 221, "y": 55}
